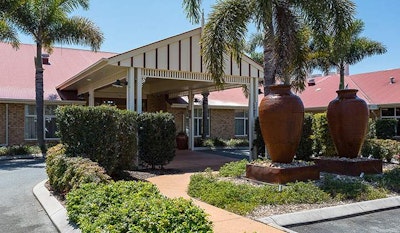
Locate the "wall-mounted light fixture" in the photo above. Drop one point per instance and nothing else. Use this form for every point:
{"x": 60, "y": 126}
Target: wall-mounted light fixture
{"x": 119, "y": 83}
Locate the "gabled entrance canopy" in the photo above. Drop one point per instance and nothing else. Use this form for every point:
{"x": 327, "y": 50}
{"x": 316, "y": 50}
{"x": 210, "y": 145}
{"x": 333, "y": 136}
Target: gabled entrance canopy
{"x": 172, "y": 67}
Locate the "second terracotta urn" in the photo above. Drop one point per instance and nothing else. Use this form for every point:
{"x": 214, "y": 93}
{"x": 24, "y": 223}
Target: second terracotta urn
{"x": 281, "y": 115}
{"x": 348, "y": 122}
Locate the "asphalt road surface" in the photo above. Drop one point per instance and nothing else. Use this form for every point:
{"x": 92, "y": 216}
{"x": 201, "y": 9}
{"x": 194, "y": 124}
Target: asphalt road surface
{"x": 20, "y": 212}
{"x": 377, "y": 222}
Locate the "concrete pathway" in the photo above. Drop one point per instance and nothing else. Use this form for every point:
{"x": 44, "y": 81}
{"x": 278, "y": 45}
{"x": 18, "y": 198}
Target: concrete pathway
{"x": 174, "y": 186}
{"x": 19, "y": 210}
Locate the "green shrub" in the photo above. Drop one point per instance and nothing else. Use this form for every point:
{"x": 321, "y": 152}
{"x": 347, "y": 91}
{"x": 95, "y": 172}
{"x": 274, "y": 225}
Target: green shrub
{"x": 322, "y": 141}
{"x": 157, "y": 138}
{"x": 388, "y": 180}
{"x": 259, "y": 141}
{"x": 214, "y": 142}
{"x": 380, "y": 148}
{"x": 371, "y": 129}
{"x": 233, "y": 169}
{"x": 237, "y": 142}
{"x": 304, "y": 151}
{"x": 132, "y": 207}
{"x": 386, "y": 128}
{"x": 243, "y": 198}
{"x": 67, "y": 173}
{"x": 350, "y": 188}
{"x": 19, "y": 150}
{"x": 240, "y": 199}
{"x": 103, "y": 134}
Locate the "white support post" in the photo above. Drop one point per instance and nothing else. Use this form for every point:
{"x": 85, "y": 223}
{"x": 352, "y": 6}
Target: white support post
{"x": 251, "y": 118}
{"x": 139, "y": 87}
{"x": 130, "y": 90}
{"x": 191, "y": 120}
{"x": 91, "y": 97}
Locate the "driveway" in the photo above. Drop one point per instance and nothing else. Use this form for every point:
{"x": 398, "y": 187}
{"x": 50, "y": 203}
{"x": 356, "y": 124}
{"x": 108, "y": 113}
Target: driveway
{"x": 19, "y": 209}
{"x": 378, "y": 222}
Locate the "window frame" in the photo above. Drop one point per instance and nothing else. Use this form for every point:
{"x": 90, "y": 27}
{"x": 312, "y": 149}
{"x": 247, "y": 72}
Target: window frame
{"x": 198, "y": 122}
{"x": 46, "y": 116}
{"x": 245, "y": 119}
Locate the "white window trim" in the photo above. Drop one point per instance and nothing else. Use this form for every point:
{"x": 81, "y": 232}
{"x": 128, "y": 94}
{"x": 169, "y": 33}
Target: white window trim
{"x": 35, "y": 118}
{"x": 197, "y": 119}
{"x": 245, "y": 120}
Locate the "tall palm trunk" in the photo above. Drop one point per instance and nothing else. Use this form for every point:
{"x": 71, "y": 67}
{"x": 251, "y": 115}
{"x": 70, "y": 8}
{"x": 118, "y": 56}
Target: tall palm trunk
{"x": 269, "y": 59}
{"x": 39, "y": 97}
{"x": 341, "y": 71}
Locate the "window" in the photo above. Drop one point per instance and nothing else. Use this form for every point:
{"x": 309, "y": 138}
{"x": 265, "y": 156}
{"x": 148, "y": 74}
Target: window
{"x": 387, "y": 112}
{"x": 198, "y": 122}
{"x": 241, "y": 123}
{"x": 50, "y": 127}
{"x": 30, "y": 122}
{"x": 392, "y": 113}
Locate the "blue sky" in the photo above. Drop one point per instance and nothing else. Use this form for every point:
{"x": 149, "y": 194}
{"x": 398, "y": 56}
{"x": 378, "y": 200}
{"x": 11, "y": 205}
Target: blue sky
{"x": 128, "y": 24}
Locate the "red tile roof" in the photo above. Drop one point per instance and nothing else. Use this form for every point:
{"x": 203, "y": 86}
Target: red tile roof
{"x": 17, "y": 79}
{"x": 17, "y": 70}
{"x": 374, "y": 87}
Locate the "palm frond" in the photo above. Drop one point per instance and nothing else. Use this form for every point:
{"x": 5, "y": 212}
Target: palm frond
{"x": 70, "y": 5}
{"x": 224, "y": 34}
{"x": 192, "y": 9}
{"x": 79, "y": 30}
{"x": 8, "y": 34}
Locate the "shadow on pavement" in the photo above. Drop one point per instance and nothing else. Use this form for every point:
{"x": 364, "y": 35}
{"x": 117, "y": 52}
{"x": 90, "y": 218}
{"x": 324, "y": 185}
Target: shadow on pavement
{"x": 10, "y": 165}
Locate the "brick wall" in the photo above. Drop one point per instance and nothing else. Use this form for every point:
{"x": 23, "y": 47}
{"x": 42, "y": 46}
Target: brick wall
{"x": 179, "y": 114}
{"x": 156, "y": 103}
{"x": 16, "y": 118}
{"x": 2, "y": 124}
{"x": 222, "y": 123}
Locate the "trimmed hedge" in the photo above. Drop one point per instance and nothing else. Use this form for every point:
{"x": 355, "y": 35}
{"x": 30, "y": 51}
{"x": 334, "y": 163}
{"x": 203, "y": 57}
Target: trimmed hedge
{"x": 386, "y": 128}
{"x": 103, "y": 134}
{"x": 129, "y": 206}
{"x": 381, "y": 148}
{"x": 304, "y": 151}
{"x": 157, "y": 138}
{"x": 322, "y": 141}
{"x": 67, "y": 173}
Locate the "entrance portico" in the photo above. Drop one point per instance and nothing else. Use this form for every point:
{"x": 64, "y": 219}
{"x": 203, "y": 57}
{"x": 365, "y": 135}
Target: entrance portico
{"x": 166, "y": 69}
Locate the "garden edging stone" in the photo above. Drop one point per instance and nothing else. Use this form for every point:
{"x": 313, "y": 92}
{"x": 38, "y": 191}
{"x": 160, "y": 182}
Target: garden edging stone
{"x": 328, "y": 213}
{"x": 56, "y": 212}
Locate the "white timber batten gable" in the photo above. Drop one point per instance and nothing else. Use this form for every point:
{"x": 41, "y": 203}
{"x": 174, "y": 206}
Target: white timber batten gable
{"x": 179, "y": 58}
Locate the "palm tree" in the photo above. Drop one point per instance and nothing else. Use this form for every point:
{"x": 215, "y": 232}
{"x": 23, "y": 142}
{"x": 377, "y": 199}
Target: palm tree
{"x": 345, "y": 48}
{"x": 7, "y": 33}
{"x": 283, "y": 24}
{"x": 255, "y": 41}
{"x": 48, "y": 22}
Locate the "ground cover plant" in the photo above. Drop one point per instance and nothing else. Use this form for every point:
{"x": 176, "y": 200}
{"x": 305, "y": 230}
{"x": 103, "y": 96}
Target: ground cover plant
{"x": 225, "y": 190}
{"x": 19, "y": 150}
{"x": 130, "y": 206}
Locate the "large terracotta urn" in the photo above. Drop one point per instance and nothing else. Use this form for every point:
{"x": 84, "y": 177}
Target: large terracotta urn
{"x": 348, "y": 121}
{"x": 281, "y": 115}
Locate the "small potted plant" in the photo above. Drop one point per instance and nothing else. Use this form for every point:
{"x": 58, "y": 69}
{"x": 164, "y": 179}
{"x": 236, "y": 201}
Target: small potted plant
{"x": 182, "y": 141}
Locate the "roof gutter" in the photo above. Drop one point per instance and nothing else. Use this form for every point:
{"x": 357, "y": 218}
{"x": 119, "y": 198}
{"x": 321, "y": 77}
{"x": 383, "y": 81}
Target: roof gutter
{"x": 49, "y": 102}
{"x": 81, "y": 75}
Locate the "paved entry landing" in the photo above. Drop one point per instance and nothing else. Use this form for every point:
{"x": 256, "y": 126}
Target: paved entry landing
{"x": 197, "y": 161}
